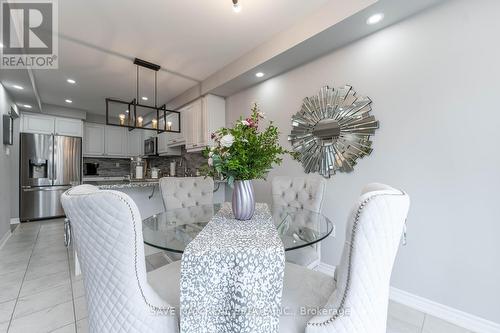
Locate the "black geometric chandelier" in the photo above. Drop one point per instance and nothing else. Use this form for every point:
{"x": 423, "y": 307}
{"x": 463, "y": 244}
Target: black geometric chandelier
{"x": 134, "y": 115}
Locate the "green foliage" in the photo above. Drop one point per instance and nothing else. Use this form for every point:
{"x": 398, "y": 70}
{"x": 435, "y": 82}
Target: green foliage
{"x": 242, "y": 152}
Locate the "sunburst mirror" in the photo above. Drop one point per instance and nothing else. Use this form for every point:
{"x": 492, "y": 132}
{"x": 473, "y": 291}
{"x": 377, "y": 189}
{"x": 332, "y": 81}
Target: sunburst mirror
{"x": 332, "y": 130}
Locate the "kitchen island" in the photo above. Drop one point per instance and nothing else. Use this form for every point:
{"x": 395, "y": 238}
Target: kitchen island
{"x": 145, "y": 193}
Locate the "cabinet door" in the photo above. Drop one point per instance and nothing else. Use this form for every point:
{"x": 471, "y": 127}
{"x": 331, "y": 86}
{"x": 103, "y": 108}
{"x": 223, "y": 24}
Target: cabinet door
{"x": 199, "y": 124}
{"x": 115, "y": 141}
{"x": 193, "y": 124}
{"x": 68, "y": 127}
{"x": 135, "y": 143}
{"x": 189, "y": 126}
{"x": 162, "y": 143}
{"x": 38, "y": 124}
{"x": 213, "y": 117}
{"x": 93, "y": 140}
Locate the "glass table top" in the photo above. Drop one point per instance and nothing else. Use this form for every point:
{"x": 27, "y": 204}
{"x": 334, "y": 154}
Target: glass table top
{"x": 173, "y": 230}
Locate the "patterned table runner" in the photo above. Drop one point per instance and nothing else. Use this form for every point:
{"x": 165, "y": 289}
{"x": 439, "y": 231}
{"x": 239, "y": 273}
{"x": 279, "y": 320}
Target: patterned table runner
{"x": 232, "y": 275}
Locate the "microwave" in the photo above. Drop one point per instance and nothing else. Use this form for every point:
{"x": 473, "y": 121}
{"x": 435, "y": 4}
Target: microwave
{"x": 150, "y": 146}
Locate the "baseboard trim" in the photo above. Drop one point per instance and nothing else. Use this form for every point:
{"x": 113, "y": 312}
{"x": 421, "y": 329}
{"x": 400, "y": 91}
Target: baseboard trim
{"x": 446, "y": 313}
{"x": 15, "y": 220}
{"x": 325, "y": 268}
{"x": 5, "y": 238}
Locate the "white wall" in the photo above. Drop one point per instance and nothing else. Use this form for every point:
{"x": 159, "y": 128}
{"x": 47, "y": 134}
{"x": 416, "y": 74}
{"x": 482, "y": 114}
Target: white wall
{"x": 8, "y": 160}
{"x": 434, "y": 82}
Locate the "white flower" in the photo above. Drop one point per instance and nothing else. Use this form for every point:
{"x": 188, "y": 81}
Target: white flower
{"x": 210, "y": 154}
{"x": 227, "y": 140}
{"x": 261, "y": 114}
{"x": 246, "y": 123}
{"x": 210, "y": 161}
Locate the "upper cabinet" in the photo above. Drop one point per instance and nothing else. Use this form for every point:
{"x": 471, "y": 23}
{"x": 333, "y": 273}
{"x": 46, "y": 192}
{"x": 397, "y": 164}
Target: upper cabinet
{"x": 68, "y": 127}
{"x": 176, "y": 139}
{"x": 93, "y": 140}
{"x": 112, "y": 141}
{"x": 135, "y": 143}
{"x": 43, "y": 124}
{"x": 37, "y": 124}
{"x": 192, "y": 128}
{"x": 115, "y": 141}
{"x": 200, "y": 119}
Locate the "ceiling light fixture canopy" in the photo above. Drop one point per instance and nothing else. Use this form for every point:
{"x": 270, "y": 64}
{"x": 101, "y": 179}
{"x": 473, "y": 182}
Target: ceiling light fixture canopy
{"x": 236, "y": 6}
{"x": 139, "y": 115}
{"x": 259, "y": 74}
{"x": 71, "y": 81}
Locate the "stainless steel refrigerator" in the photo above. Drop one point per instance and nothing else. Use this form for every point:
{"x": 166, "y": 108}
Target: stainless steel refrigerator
{"x": 50, "y": 164}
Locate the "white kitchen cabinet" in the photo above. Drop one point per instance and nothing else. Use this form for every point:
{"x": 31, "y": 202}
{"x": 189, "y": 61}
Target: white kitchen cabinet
{"x": 42, "y": 124}
{"x": 115, "y": 141}
{"x": 112, "y": 141}
{"x": 93, "y": 139}
{"x": 176, "y": 139}
{"x": 203, "y": 117}
{"x": 213, "y": 117}
{"x": 68, "y": 127}
{"x": 163, "y": 147}
{"x": 192, "y": 114}
{"x": 135, "y": 141}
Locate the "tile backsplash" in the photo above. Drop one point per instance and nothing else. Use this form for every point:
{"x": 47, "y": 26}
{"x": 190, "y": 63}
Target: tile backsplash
{"x": 109, "y": 167}
{"x": 186, "y": 164}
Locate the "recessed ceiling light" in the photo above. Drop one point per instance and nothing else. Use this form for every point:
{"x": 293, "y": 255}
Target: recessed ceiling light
{"x": 375, "y": 18}
{"x": 144, "y": 98}
{"x": 236, "y": 6}
{"x": 71, "y": 81}
{"x": 27, "y": 106}
{"x": 68, "y": 101}
{"x": 18, "y": 87}
{"x": 259, "y": 74}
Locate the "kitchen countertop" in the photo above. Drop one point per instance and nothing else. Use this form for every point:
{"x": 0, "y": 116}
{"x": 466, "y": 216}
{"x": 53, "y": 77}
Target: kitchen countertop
{"x": 128, "y": 184}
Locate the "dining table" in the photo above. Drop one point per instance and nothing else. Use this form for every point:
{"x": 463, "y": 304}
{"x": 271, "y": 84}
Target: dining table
{"x": 172, "y": 230}
{"x": 232, "y": 271}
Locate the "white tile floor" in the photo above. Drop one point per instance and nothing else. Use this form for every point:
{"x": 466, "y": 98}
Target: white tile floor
{"x": 38, "y": 293}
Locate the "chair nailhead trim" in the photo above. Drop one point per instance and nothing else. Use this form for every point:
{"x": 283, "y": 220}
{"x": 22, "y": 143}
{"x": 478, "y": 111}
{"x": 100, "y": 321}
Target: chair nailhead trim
{"x": 349, "y": 260}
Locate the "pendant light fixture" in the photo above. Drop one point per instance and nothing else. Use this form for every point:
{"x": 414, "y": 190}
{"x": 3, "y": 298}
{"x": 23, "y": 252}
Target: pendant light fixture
{"x": 134, "y": 115}
{"x": 236, "y": 6}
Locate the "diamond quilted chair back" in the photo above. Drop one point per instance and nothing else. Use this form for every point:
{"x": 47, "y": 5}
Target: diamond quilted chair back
{"x": 374, "y": 230}
{"x": 107, "y": 232}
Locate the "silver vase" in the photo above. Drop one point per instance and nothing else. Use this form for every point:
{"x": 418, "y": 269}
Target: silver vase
{"x": 243, "y": 200}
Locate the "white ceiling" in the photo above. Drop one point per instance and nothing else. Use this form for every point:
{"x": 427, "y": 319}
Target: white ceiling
{"x": 202, "y": 46}
{"x": 98, "y": 39}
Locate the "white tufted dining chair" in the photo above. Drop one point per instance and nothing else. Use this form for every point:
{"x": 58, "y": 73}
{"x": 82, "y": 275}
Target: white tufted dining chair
{"x": 184, "y": 192}
{"x": 121, "y": 297}
{"x": 302, "y": 193}
{"x": 356, "y": 301}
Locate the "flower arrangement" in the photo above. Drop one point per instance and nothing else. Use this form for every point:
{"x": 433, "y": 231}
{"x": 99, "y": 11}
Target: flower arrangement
{"x": 242, "y": 152}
